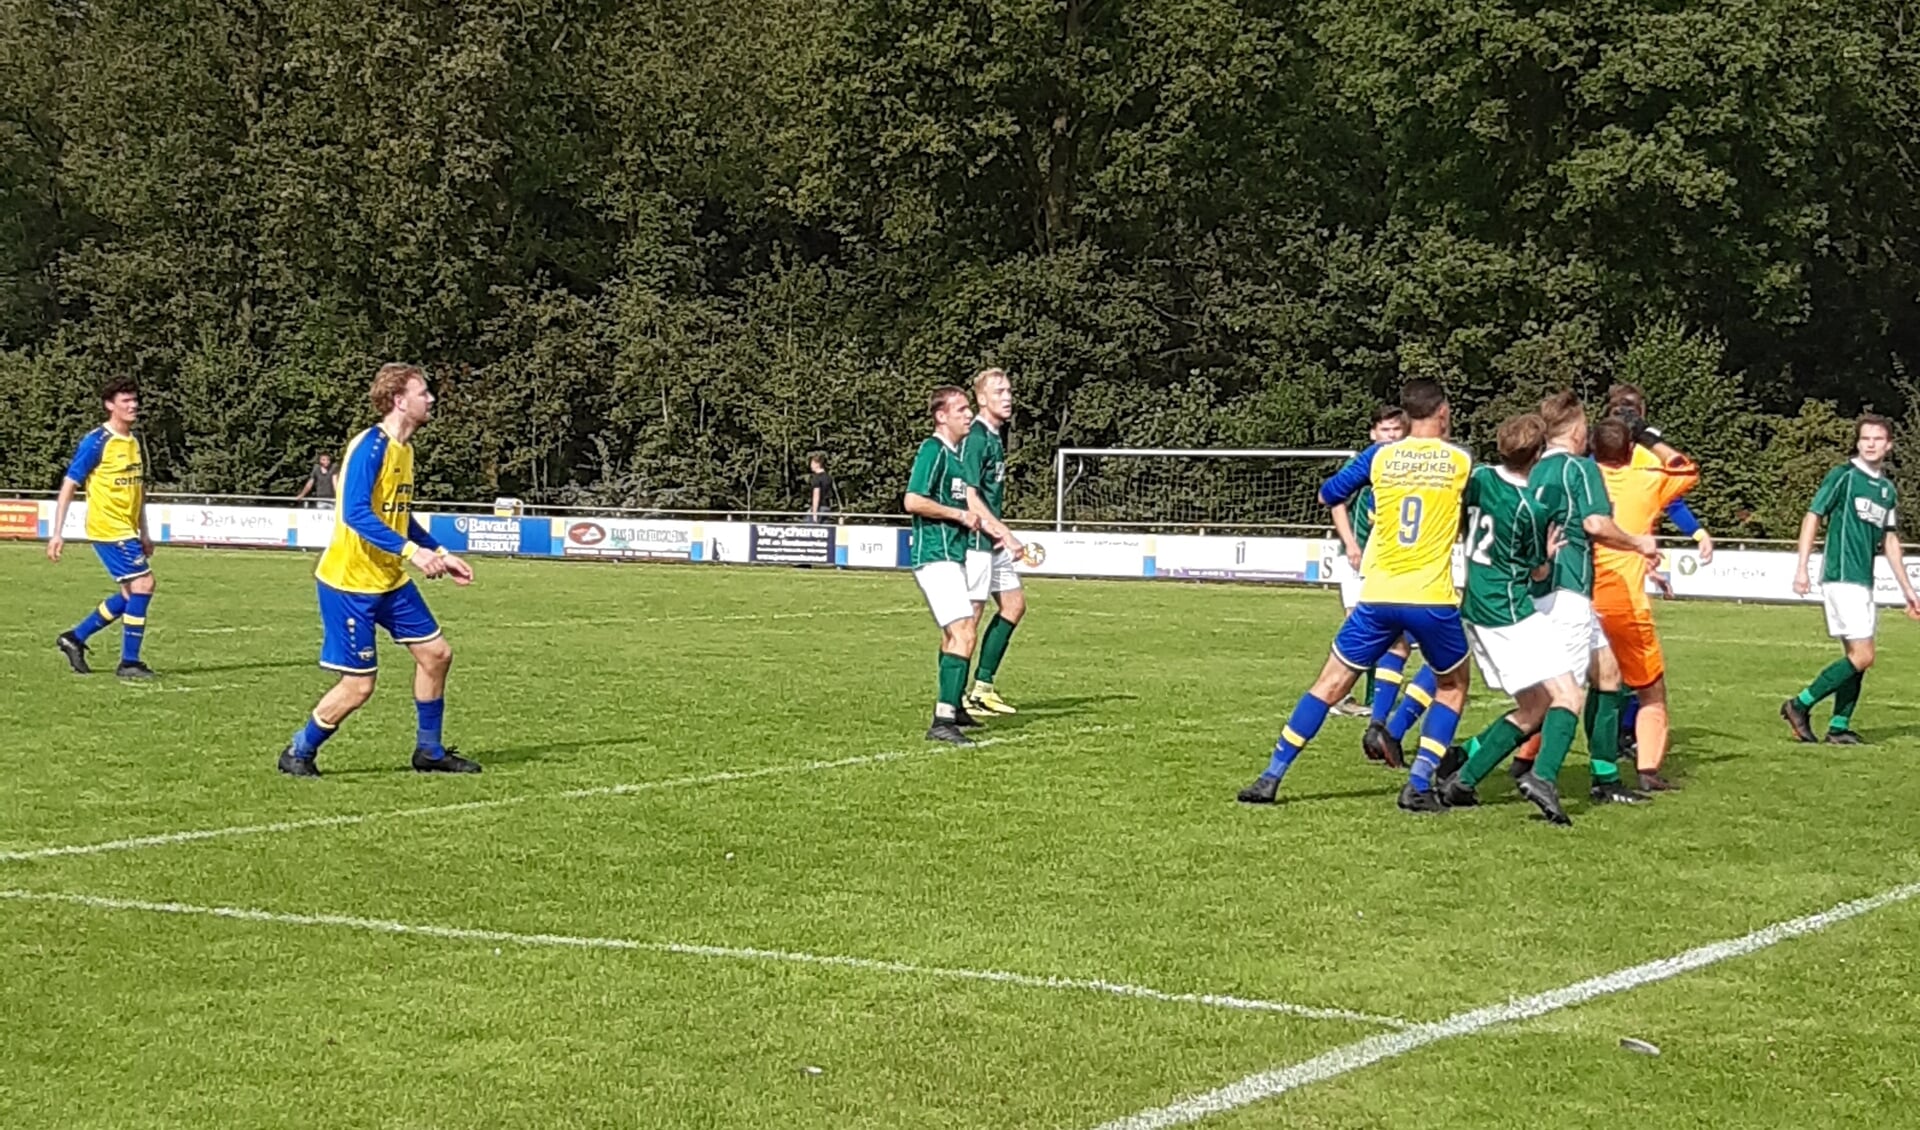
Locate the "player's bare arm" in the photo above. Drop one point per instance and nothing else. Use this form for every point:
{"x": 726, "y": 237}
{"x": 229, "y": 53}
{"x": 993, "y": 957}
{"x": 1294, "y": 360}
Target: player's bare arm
{"x": 1897, "y": 560}
{"x": 924, "y": 507}
{"x": 57, "y": 543}
{"x": 1605, "y": 531}
{"x": 1343, "y": 526}
{"x": 1809, "y": 529}
{"x": 1001, "y": 534}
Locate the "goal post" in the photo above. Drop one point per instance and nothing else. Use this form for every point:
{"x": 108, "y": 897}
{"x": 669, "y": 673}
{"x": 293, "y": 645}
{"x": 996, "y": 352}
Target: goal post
{"x": 1246, "y": 489}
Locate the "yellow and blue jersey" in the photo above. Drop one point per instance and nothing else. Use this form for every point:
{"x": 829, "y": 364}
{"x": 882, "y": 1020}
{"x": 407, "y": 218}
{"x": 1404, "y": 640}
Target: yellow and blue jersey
{"x": 108, "y": 466}
{"x": 375, "y": 531}
{"x": 1417, "y": 485}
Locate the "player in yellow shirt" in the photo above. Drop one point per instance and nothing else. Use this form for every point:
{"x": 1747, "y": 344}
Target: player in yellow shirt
{"x": 109, "y": 467}
{"x": 1417, "y": 483}
{"x": 363, "y": 584}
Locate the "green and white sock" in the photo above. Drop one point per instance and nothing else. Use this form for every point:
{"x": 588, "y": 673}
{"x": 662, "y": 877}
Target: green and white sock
{"x": 1556, "y": 739}
{"x": 1827, "y": 682}
{"x": 1490, "y": 749}
{"x": 1845, "y": 699}
{"x": 1603, "y": 734}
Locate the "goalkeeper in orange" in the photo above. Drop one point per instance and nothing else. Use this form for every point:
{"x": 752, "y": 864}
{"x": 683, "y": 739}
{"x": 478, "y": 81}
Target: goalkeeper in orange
{"x": 1644, "y": 475}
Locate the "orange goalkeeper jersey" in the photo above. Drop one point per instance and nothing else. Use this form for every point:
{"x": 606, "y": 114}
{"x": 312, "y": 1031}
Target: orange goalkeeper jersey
{"x": 1639, "y": 492}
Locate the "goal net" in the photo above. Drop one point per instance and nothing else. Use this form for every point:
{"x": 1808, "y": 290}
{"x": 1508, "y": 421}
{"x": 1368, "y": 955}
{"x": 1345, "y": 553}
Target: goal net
{"x": 1239, "y": 490}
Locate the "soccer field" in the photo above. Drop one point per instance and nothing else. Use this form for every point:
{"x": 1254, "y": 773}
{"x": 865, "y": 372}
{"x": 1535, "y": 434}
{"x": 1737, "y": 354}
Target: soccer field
{"x": 713, "y": 877}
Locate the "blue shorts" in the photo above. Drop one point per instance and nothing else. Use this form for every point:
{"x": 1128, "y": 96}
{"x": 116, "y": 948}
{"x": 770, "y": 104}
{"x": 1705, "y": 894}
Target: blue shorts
{"x": 124, "y": 559}
{"x": 1371, "y": 629}
{"x": 348, "y": 620}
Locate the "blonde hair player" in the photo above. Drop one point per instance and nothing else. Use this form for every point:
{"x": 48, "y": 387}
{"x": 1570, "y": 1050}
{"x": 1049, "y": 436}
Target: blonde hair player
{"x": 990, "y": 571}
{"x": 363, "y": 584}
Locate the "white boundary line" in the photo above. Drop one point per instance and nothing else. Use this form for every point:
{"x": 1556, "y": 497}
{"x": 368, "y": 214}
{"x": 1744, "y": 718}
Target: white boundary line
{"x": 865, "y": 964}
{"x": 166, "y": 839}
{"x": 1364, "y": 1053}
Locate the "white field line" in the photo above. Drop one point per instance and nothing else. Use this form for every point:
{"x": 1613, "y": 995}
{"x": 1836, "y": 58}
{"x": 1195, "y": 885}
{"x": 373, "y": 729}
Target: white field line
{"x": 689, "y": 949}
{"x": 1364, "y": 1053}
{"x": 166, "y": 839}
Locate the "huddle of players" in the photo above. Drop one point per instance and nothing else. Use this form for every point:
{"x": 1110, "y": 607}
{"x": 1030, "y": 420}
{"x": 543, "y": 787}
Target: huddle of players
{"x": 1554, "y": 545}
{"x": 961, "y": 550}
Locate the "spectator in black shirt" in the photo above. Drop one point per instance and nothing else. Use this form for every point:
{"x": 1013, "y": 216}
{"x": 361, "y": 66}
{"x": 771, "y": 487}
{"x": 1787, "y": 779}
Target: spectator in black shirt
{"x": 820, "y": 491}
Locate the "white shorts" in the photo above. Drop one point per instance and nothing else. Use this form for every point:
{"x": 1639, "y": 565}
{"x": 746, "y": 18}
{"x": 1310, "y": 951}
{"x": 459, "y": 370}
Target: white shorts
{"x": 990, "y": 571}
{"x": 945, "y": 585}
{"x": 1851, "y": 612}
{"x": 1516, "y": 656}
{"x": 1576, "y": 633}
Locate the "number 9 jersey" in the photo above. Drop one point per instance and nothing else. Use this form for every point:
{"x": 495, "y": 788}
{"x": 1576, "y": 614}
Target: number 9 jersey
{"x": 1417, "y": 485}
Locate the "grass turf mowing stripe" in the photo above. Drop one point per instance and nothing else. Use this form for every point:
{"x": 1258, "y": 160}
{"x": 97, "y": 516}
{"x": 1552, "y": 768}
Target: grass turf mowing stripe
{"x": 1364, "y": 1053}
{"x": 167, "y": 839}
{"x": 689, "y": 949}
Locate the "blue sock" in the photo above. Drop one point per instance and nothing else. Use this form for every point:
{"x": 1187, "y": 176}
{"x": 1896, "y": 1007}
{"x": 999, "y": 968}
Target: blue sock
{"x": 1388, "y": 674}
{"x": 1419, "y": 695}
{"x": 109, "y": 611}
{"x": 1299, "y": 730}
{"x": 1629, "y": 712}
{"x": 1435, "y": 737}
{"x": 308, "y": 739}
{"x": 431, "y": 714}
{"x": 133, "y": 629}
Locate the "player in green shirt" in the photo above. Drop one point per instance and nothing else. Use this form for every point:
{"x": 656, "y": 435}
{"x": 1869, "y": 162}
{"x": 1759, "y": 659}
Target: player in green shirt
{"x": 943, "y": 529}
{"x": 1857, "y": 500}
{"x": 1568, "y": 487}
{"x": 1509, "y": 544}
{"x": 990, "y": 562}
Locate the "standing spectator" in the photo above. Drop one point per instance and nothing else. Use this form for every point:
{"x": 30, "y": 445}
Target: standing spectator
{"x": 319, "y": 482}
{"x": 821, "y": 495}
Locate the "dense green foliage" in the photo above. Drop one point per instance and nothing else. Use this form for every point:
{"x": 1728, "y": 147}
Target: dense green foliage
{"x": 656, "y": 252}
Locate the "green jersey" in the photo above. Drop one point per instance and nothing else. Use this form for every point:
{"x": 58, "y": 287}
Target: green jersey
{"x": 1360, "y": 510}
{"x": 1567, "y": 489}
{"x": 983, "y": 460}
{"x": 937, "y": 475}
{"x": 1506, "y": 540}
{"x": 1858, "y": 506}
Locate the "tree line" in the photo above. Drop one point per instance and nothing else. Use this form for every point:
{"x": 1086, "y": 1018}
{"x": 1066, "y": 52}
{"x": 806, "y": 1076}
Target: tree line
{"x": 653, "y": 254}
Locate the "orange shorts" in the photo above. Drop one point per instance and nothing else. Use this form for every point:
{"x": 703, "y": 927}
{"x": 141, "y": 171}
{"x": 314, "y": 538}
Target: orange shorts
{"x": 1635, "y": 644}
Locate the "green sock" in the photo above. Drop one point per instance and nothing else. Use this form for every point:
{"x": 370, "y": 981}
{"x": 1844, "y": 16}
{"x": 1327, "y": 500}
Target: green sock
{"x": 1603, "y": 735}
{"x": 1490, "y": 749}
{"x": 994, "y": 648}
{"x": 1827, "y": 682}
{"x": 953, "y": 679}
{"x": 1844, "y": 700}
{"x": 1371, "y": 680}
{"x": 1556, "y": 738}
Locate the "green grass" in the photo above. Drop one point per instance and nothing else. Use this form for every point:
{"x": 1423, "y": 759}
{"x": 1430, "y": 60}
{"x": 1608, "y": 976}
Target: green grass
{"x": 1096, "y": 839}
